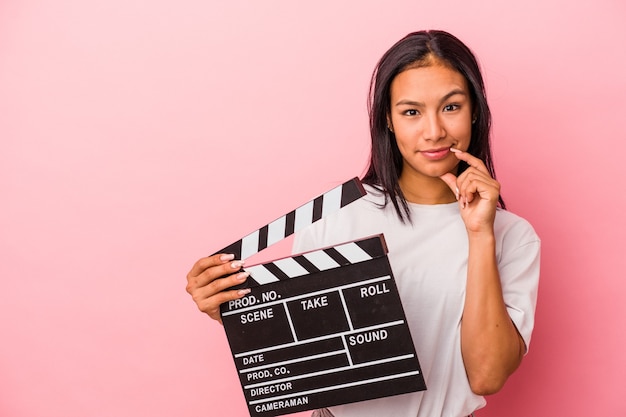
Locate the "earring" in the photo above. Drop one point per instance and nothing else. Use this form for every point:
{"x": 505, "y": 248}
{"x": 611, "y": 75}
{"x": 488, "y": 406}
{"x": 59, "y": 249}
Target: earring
{"x": 474, "y": 120}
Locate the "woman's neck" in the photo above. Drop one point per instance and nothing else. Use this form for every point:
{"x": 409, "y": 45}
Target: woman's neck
{"x": 425, "y": 190}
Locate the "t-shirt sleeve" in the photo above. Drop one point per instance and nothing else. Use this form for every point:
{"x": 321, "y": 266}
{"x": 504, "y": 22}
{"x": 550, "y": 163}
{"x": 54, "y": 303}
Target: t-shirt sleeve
{"x": 303, "y": 241}
{"x": 519, "y": 274}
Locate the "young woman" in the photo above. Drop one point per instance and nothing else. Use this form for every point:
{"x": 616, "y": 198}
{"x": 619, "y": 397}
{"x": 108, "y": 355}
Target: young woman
{"x": 467, "y": 270}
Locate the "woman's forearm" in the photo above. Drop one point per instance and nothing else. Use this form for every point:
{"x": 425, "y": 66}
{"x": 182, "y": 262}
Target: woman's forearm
{"x": 491, "y": 346}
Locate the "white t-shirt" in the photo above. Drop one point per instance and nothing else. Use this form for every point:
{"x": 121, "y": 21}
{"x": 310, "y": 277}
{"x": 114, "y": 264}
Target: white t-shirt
{"x": 429, "y": 262}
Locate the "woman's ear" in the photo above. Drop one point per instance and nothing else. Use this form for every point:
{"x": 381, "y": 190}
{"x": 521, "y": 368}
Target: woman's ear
{"x": 389, "y": 124}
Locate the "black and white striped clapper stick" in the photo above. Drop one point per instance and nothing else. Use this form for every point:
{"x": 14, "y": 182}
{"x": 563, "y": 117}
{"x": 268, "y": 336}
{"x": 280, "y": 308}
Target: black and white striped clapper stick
{"x": 296, "y": 220}
{"x": 318, "y": 260}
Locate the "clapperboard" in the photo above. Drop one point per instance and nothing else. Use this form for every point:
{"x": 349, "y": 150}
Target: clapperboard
{"x": 321, "y": 328}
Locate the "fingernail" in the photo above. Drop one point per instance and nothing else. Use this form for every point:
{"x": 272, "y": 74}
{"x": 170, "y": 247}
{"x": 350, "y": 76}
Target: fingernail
{"x": 455, "y": 150}
{"x": 242, "y": 276}
{"x": 457, "y": 193}
{"x": 227, "y": 257}
{"x": 236, "y": 264}
{"x": 243, "y": 292}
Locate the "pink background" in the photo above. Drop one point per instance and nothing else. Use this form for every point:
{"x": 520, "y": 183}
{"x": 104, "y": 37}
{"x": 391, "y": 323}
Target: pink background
{"x": 137, "y": 136}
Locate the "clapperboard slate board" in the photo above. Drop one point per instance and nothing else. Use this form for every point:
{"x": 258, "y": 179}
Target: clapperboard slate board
{"x": 321, "y": 328}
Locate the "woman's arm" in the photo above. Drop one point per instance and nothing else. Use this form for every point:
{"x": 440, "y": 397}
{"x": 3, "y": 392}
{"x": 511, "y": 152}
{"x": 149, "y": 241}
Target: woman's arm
{"x": 491, "y": 346}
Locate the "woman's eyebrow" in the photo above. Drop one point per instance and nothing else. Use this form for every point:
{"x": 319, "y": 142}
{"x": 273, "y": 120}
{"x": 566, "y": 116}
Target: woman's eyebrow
{"x": 410, "y": 103}
{"x": 454, "y": 92}
{"x": 444, "y": 98}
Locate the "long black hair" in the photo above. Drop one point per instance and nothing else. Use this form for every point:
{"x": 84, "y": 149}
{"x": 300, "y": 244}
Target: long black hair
{"x": 415, "y": 50}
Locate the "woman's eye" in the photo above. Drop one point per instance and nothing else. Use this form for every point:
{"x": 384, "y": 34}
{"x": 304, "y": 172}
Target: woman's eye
{"x": 451, "y": 107}
{"x": 411, "y": 112}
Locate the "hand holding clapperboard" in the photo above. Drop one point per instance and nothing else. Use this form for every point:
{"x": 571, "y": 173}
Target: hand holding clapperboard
{"x": 321, "y": 328}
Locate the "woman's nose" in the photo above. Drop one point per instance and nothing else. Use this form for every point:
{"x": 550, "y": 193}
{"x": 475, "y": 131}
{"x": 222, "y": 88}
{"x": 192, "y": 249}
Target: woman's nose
{"x": 433, "y": 128}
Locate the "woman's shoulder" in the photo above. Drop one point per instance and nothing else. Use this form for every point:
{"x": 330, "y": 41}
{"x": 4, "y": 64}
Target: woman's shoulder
{"x": 513, "y": 225}
{"x": 372, "y": 202}
{"x": 356, "y": 220}
{"x": 361, "y": 209}
{"x": 374, "y": 194}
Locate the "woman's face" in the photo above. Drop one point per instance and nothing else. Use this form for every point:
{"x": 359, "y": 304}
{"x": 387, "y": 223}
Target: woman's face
{"x": 431, "y": 112}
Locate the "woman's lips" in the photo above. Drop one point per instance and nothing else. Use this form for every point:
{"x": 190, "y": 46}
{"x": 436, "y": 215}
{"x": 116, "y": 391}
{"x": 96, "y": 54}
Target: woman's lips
{"x": 436, "y": 154}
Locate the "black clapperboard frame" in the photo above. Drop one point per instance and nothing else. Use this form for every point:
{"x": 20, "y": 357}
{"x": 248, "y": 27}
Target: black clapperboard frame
{"x": 321, "y": 328}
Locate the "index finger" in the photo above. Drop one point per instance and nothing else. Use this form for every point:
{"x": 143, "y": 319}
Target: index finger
{"x": 207, "y": 262}
{"x": 470, "y": 159}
